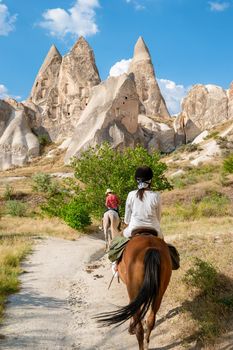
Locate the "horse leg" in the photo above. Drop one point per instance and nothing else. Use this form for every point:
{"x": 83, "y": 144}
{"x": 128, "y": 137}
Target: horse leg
{"x": 139, "y": 333}
{"x": 150, "y": 321}
{"x": 114, "y": 227}
{"x": 105, "y": 226}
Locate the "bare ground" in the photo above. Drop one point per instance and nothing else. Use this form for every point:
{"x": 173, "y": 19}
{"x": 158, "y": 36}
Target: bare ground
{"x": 64, "y": 286}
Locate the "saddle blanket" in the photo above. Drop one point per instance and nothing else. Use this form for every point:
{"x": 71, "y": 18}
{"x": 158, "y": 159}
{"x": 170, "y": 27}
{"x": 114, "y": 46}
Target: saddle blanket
{"x": 118, "y": 244}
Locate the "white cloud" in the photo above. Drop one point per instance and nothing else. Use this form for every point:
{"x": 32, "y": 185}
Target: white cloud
{"x": 218, "y": 6}
{"x": 78, "y": 20}
{"x": 173, "y": 94}
{"x": 138, "y": 4}
{"x": 120, "y": 68}
{"x": 3, "y": 91}
{"x": 7, "y": 21}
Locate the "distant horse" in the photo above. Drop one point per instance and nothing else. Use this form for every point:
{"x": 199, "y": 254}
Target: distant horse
{"x": 146, "y": 269}
{"x": 111, "y": 222}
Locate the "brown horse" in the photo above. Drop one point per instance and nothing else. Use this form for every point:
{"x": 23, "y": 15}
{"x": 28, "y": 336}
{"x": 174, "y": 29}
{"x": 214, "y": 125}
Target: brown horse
{"x": 146, "y": 269}
{"x": 111, "y": 221}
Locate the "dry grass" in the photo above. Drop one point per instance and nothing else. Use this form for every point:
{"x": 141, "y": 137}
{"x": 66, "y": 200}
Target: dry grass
{"x": 12, "y": 251}
{"x": 37, "y": 227}
{"x": 201, "y": 320}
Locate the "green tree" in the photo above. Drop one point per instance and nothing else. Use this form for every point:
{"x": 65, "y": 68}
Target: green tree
{"x": 103, "y": 167}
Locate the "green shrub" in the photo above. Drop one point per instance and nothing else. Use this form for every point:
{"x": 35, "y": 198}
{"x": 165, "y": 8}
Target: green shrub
{"x": 8, "y": 192}
{"x": 228, "y": 164}
{"x": 16, "y": 208}
{"x": 202, "y": 276}
{"x": 44, "y": 140}
{"x": 54, "y": 205}
{"x": 103, "y": 167}
{"x": 44, "y": 183}
{"x": 76, "y": 215}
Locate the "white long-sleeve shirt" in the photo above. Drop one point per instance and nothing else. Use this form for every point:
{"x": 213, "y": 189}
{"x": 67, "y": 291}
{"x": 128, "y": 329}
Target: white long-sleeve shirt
{"x": 145, "y": 213}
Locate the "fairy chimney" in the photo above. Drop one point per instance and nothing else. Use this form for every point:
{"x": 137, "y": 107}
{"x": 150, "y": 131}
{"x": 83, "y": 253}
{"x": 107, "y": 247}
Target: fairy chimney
{"x": 78, "y": 75}
{"x": 141, "y": 67}
{"x": 62, "y": 89}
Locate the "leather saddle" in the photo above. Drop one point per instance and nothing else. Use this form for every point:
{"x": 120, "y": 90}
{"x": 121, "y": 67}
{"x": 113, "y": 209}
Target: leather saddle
{"x": 144, "y": 231}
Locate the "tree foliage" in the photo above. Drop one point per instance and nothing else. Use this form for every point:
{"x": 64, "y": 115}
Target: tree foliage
{"x": 103, "y": 167}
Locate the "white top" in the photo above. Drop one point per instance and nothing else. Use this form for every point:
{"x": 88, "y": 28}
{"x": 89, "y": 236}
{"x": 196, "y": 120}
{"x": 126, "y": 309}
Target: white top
{"x": 145, "y": 213}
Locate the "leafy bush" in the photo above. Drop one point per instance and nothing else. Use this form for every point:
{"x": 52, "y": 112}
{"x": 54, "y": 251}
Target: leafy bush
{"x": 212, "y": 300}
{"x": 76, "y": 215}
{"x": 228, "y": 164}
{"x": 202, "y": 276}
{"x": 43, "y": 183}
{"x": 54, "y": 205}
{"x": 16, "y": 208}
{"x": 8, "y": 192}
{"x": 103, "y": 167}
{"x": 44, "y": 140}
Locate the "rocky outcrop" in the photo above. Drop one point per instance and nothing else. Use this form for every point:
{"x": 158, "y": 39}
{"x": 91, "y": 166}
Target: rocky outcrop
{"x": 185, "y": 130}
{"x": 111, "y": 115}
{"x": 230, "y": 102}
{"x": 206, "y": 106}
{"x": 157, "y": 136}
{"x": 62, "y": 89}
{"x": 17, "y": 142}
{"x": 141, "y": 67}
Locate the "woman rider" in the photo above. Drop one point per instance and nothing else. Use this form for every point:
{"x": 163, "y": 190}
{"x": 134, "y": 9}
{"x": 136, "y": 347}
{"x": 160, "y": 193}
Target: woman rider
{"x": 143, "y": 206}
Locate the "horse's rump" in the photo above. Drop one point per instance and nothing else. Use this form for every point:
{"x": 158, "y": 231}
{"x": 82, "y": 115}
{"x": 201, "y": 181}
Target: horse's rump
{"x": 146, "y": 263}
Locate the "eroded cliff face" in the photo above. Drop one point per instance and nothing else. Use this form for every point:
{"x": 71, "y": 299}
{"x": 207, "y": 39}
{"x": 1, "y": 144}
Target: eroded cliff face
{"x": 62, "y": 89}
{"x": 17, "y": 142}
{"x": 206, "y": 106}
{"x": 141, "y": 67}
{"x": 111, "y": 115}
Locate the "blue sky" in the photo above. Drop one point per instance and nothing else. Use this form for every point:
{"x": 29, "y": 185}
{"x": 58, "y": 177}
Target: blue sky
{"x": 190, "y": 41}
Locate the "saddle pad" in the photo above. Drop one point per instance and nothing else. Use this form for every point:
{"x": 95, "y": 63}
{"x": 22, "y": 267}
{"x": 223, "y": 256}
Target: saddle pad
{"x": 117, "y": 247}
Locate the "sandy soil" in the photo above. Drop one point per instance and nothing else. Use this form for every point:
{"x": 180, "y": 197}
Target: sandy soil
{"x": 64, "y": 286}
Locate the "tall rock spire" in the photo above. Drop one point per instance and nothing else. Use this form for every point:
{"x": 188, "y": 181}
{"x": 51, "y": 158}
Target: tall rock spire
{"x": 47, "y": 77}
{"x": 141, "y": 67}
{"x": 62, "y": 88}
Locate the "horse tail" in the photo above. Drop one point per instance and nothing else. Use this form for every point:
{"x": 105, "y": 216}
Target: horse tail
{"x": 146, "y": 296}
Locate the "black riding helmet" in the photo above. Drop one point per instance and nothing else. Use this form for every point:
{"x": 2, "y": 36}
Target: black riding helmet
{"x": 143, "y": 174}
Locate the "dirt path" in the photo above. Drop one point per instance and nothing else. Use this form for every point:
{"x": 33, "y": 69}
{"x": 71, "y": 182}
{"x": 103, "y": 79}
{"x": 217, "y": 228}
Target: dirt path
{"x": 64, "y": 286}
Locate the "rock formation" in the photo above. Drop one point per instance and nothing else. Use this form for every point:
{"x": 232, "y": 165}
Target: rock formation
{"x": 62, "y": 89}
{"x": 141, "y": 67}
{"x": 157, "y": 136}
{"x": 230, "y": 102}
{"x": 17, "y": 142}
{"x": 111, "y": 115}
{"x": 206, "y": 106}
{"x": 185, "y": 130}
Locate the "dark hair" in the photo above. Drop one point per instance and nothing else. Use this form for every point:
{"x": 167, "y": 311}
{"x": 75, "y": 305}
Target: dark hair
{"x": 143, "y": 174}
